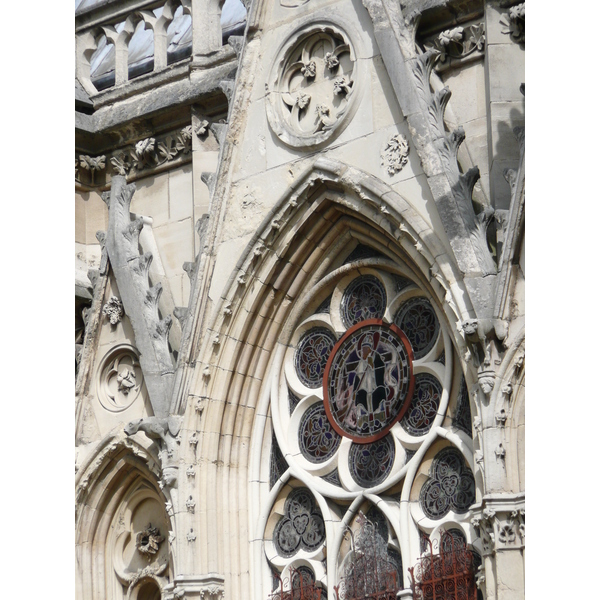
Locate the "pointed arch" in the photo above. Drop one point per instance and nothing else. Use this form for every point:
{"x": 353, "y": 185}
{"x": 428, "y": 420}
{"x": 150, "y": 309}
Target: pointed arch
{"x": 300, "y": 240}
{"x": 117, "y": 489}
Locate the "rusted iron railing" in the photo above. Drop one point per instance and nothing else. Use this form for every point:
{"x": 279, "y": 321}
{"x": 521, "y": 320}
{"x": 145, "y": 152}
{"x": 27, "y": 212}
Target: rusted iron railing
{"x": 445, "y": 575}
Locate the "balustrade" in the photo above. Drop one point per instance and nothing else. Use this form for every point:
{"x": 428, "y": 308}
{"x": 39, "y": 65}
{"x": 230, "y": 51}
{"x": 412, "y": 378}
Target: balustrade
{"x": 123, "y": 40}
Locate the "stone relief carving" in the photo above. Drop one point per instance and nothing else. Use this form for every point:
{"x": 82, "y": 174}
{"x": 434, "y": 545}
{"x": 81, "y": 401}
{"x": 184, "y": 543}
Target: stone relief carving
{"x": 457, "y": 44}
{"x": 119, "y": 379}
{"x": 113, "y": 310}
{"x": 395, "y": 154}
{"x": 153, "y": 152}
{"x": 92, "y": 164}
{"x": 514, "y": 23}
{"x": 148, "y": 541}
{"x": 165, "y": 430}
{"x": 190, "y": 504}
{"x": 191, "y": 536}
{"x": 312, "y": 86}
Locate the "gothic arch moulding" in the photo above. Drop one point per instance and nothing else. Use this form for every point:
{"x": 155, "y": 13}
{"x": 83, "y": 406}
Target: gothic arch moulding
{"x": 337, "y": 232}
{"x": 122, "y": 528}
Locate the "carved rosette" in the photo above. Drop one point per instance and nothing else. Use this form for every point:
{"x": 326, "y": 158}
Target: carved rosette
{"x": 148, "y": 541}
{"x": 119, "y": 378}
{"x": 312, "y": 86}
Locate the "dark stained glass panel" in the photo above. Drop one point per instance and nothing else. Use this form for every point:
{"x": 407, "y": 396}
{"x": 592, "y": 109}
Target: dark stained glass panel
{"x": 450, "y": 486}
{"x": 424, "y": 406}
{"x": 370, "y": 464}
{"x": 417, "y": 319}
{"x": 301, "y": 527}
{"x": 364, "y": 298}
{"x": 312, "y": 354}
{"x": 317, "y": 439}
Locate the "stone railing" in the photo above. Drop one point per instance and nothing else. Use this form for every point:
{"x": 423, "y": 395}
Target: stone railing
{"x": 116, "y": 23}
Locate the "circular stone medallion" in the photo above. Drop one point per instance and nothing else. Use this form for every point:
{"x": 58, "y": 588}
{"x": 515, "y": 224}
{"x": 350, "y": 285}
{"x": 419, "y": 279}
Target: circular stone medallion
{"x": 312, "y": 86}
{"x": 368, "y": 383}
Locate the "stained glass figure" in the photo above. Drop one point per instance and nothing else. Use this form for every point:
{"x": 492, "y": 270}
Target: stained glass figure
{"x": 364, "y": 298}
{"x": 450, "y": 486}
{"x": 312, "y": 354}
{"x": 317, "y": 439}
{"x": 368, "y": 381}
{"x": 417, "y": 319}
{"x": 301, "y": 527}
{"x": 424, "y": 406}
{"x": 370, "y": 464}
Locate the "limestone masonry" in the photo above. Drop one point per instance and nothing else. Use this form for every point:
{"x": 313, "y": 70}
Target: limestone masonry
{"x": 299, "y": 299}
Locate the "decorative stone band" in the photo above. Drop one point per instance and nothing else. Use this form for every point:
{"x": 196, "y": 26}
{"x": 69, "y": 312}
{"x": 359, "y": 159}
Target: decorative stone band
{"x": 500, "y": 523}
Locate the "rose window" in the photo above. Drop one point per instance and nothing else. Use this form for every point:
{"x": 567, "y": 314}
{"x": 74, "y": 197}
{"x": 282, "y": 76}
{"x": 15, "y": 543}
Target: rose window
{"x": 360, "y": 391}
{"x": 369, "y": 377}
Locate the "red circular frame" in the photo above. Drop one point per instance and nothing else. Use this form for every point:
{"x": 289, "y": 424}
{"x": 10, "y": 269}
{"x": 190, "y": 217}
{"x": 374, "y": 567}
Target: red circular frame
{"x": 411, "y": 385}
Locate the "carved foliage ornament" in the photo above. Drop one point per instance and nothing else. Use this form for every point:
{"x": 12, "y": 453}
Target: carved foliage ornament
{"x": 514, "y": 23}
{"x": 312, "y": 86}
{"x": 395, "y": 154}
{"x": 113, "y": 310}
{"x": 455, "y": 45}
{"x": 151, "y": 152}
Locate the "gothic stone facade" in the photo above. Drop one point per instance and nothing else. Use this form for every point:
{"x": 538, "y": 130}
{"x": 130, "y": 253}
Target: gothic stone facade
{"x": 300, "y": 350}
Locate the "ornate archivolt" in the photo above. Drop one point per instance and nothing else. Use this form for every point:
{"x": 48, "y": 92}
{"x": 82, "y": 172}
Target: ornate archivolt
{"x": 121, "y": 517}
{"x": 262, "y": 319}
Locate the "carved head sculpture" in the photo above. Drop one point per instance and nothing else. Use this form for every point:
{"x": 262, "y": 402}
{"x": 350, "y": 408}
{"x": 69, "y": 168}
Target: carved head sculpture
{"x": 133, "y": 427}
{"x": 469, "y": 327}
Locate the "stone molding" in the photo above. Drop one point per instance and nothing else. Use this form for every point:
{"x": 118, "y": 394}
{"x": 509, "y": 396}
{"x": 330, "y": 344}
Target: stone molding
{"x": 203, "y": 587}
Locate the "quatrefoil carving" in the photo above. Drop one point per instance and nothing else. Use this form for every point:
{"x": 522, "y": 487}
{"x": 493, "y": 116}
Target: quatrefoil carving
{"x": 313, "y": 87}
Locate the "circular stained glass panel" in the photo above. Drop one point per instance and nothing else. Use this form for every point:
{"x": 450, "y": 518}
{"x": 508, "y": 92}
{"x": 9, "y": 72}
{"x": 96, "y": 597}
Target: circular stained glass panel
{"x": 312, "y": 354}
{"x": 424, "y": 405}
{"x": 317, "y": 439}
{"x": 418, "y": 321}
{"x": 364, "y": 298}
{"x": 368, "y": 382}
{"x": 370, "y": 464}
